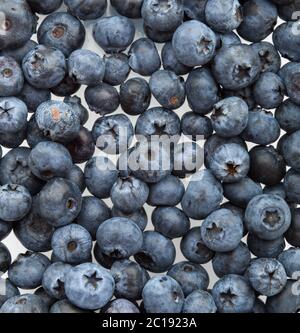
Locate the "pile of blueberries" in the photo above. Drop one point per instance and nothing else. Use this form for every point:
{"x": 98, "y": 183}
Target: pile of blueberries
{"x": 97, "y": 254}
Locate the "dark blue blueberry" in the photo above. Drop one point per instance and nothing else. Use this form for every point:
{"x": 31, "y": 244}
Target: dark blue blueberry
{"x": 114, "y": 33}
{"x": 9, "y": 291}
{"x": 143, "y": 57}
{"x": 269, "y": 57}
{"x": 102, "y": 258}
{"x": 13, "y": 139}
{"x": 158, "y": 36}
{"x": 190, "y": 276}
{"x": 38, "y": 67}
{"x": 267, "y": 276}
{"x": 113, "y": 134}
{"x": 130, "y": 279}
{"x": 120, "y": 305}
{"x": 59, "y": 202}
{"x": 100, "y": 175}
{"x": 72, "y": 244}
{"x": 116, "y": 68}
{"x": 119, "y": 237}
{"x": 93, "y": 212}
{"x": 259, "y": 306}
{"x": 19, "y": 53}
{"x": 135, "y": 96}
{"x": 194, "y": 43}
{"x": 222, "y": 230}
{"x": 5, "y": 258}
{"x": 26, "y": 303}
{"x": 167, "y": 192}
{"x": 27, "y": 270}
{"x": 194, "y": 9}
{"x": 262, "y": 248}
{"x": 233, "y": 294}
{"x": 15, "y": 202}
{"x": 202, "y": 91}
{"x": 45, "y": 6}
{"x": 102, "y": 99}
{"x": 236, "y": 66}
{"x": 128, "y": 8}
{"x": 203, "y": 195}
{"x": 170, "y": 221}
{"x": 66, "y": 87}
{"x": 11, "y": 77}
{"x": 139, "y": 217}
{"x": 64, "y": 306}
{"x": 86, "y": 67}
{"x": 290, "y": 261}
{"x": 267, "y": 216}
{"x": 157, "y": 253}
{"x": 193, "y": 248}
{"x": 227, "y": 39}
{"x": 290, "y": 151}
{"x": 76, "y": 176}
{"x": 5, "y": 229}
{"x": 34, "y": 135}
{"x": 246, "y": 94}
{"x": 13, "y": 115}
{"x": 277, "y": 189}
{"x": 223, "y": 16}
{"x": 86, "y": 10}
{"x": 54, "y": 279}
{"x": 48, "y": 300}
{"x": 162, "y": 294}
{"x": 230, "y": 117}
{"x": 287, "y": 10}
{"x": 199, "y": 301}
{"x": 293, "y": 233}
{"x": 89, "y": 286}
{"x": 62, "y": 31}
{"x": 290, "y": 74}
{"x": 287, "y": 115}
{"x": 233, "y": 262}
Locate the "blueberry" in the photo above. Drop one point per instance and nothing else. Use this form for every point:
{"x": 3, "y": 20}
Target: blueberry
{"x": 157, "y": 253}
{"x": 236, "y": 66}
{"x": 130, "y": 279}
{"x": 76, "y": 176}
{"x": 93, "y": 212}
{"x": 27, "y": 270}
{"x": 190, "y": 276}
{"x": 33, "y": 97}
{"x": 38, "y": 67}
{"x": 78, "y": 108}
{"x": 227, "y": 39}
{"x": 143, "y": 57}
{"x": 168, "y": 89}
{"x": 158, "y": 36}
{"x": 72, "y": 244}
{"x": 62, "y": 31}
{"x": 49, "y": 159}
{"x": 290, "y": 150}
{"x": 89, "y": 286}
{"x": 13, "y": 139}
{"x": 222, "y": 230}
{"x": 167, "y": 192}
{"x": 194, "y": 9}
{"x": 202, "y": 196}
{"x": 223, "y": 16}
{"x": 34, "y": 135}
{"x": 162, "y": 294}
{"x": 233, "y": 294}
{"x": 5, "y": 229}
{"x": 193, "y": 248}
{"x": 170, "y": 221}
{"x": 14, "y": 169}
{"x": 54, "y": 279}
{"x": 116, "y": 68}
{"x": 100, "y": 175}
{"x": 246, "y": 94}
{"x": 102, "y": 258}
{"x": 13, "y": 115}
{"x": 135, "y": 96}
{"x": 267, "y": 276}
{"x": 34, "y": 233}
{"x": 259, "y": 306}
{"x": 194, "y": 43}
{"x": 102, "y": 99}
{"x": 287, "y": 116}
{"x": 285, "y": 302}
{"x": 86, "y": 67}
{"x": 19, "y": 53}
{"x": 64, "y": 306}
{"x": 230, "y": 117}
{"x": 202, "y": 90}
{"x": 269, "y": 57}
{"x": 171, "y": 63}
{"x": 48, "y": 300}
{"x": 286, "y": 11}
{"x": 18, "y": 23}
{"x": 275, "y": 189}
{"x": 267, "y": 216}
{"x": 242, "y": 192}
{"x": 9, "y": 291}
{"x": 11, "y": 77}
{"x": 86, "y": 10}
{"x": 59, "y": 202}
{"x": 230, "y": 163}
{"x": 26, "y": 303}
{"x": 114, "y": 33}
{"x": 5, "y": 258}
{"x": 44, "y": 7}
{"x": 15, "y": 202}
{"x": 262, "y": 248}
{"x": 293, "y": 233}
{"x": 139, "y": 217}
{"x": 290, "y": 74}
{"x": 58, "y": 121}
{"x": 290, "y": 261}
{"x": 128, "y": 8}
{"x": 199, "y": 301}
{"x": 233, "y": 262}
{"x": 120, "y": 305}
{"x": 264, "y": 159}
{"x": 113, "y": 134}
{"x": 66, "y": 87}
